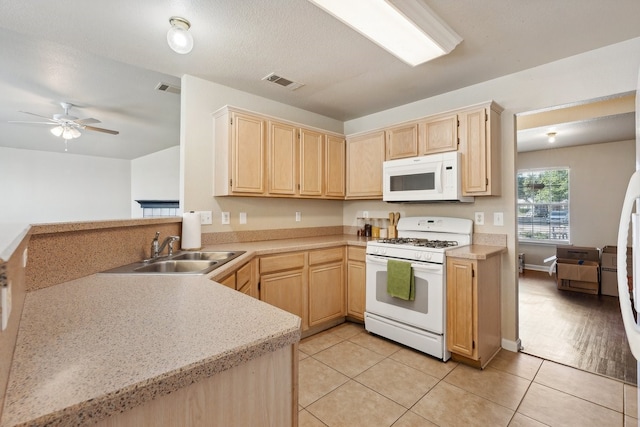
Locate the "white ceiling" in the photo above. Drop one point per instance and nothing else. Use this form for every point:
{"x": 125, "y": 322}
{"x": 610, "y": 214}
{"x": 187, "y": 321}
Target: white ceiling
{"x": 106, "y": 57}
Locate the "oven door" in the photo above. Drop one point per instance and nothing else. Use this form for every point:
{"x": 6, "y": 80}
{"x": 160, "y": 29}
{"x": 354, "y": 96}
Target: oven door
{"x": 426, "y": 311}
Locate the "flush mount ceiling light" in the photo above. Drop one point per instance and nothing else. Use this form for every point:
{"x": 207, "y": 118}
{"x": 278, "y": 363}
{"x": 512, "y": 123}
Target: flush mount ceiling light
{"x": 178, "y": 36}
{"x": 408, "y": 29}
{"x": 551, "y": 137}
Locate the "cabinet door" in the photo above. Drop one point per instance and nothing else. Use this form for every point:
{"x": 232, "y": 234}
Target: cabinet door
{"x": 247, "y": 154}
{"x": 365, "y": 155}
{"x": 285, "y": 290}
{"x": 326, "y": 292}
{"x": 283, "y": 142}
{"x": 229, "y": 281}
{"x": 402, "y": 142}
{"x": 439, "y": 135}
{"x": 335, "y": 167}
{"x": 311, "y": 164}
{"x": 474, "y": 151}
{"x": 356, "y": 294}
{"x": 461, "y": 308}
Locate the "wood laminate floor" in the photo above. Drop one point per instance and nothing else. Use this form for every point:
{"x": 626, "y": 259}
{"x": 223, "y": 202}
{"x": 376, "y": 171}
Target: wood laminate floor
{"x": 578, "y": 330}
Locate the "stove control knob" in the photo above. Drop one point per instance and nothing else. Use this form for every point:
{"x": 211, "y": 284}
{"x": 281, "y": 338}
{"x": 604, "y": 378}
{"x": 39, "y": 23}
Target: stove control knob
{"x": 427, "y": 256}
{"x": 418, "y": 255}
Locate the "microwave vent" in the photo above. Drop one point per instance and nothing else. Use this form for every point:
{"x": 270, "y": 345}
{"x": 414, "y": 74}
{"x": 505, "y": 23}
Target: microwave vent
{"x": 279, "y": 80}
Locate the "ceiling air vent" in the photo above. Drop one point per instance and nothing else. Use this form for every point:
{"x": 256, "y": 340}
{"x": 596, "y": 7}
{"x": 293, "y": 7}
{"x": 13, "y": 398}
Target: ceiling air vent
{"x": 289, "y": 84}
{"x": 166, "y": 87}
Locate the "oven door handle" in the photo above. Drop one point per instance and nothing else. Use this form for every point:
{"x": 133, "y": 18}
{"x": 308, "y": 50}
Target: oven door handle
{"x": 432, "y": 268}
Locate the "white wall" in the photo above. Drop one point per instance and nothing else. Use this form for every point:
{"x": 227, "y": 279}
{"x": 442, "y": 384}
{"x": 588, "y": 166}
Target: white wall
{"x": 41, "y": 187}
{"x": 598, "y": 179}
{"x": 155, "y": 177}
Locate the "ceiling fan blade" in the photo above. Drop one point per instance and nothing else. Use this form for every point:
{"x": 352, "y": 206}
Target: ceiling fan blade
{"x": 33, "y": 123}
{"x": 87, "y": 121}
{"x": 38, "y": 115}
{"x": 112, "y": 132}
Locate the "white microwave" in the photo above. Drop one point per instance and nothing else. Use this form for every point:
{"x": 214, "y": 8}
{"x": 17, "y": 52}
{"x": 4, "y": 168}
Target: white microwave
{"x": 430, "y": 178}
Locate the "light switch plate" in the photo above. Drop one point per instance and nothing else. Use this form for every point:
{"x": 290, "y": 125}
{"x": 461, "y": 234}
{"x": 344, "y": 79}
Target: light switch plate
{"x": 298, "y": 216}
{"x": 205, "y": 217}
{"x": 498, "y": 218}
{"x": 243, "y": 217}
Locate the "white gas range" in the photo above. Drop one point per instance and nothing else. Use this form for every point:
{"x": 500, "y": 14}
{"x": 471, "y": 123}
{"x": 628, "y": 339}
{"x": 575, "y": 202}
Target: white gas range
{"x": 419, "y": 323}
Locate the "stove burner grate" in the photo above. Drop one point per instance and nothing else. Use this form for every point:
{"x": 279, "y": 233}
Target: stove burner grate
{"x": 420, "y": 242}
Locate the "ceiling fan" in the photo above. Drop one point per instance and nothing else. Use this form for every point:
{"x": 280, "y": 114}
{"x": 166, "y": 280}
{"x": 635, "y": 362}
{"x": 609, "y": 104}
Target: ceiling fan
{"x": 68, "y": 126}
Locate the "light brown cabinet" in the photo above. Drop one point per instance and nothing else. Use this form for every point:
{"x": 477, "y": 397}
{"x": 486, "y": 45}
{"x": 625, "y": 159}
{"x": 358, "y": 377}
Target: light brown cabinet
{"x": 402, "y": 141}
{"x": 256, "y": 155}
{"x": 326, "y": 285}
{"x": 480, "y": 147}
{"x": 356, "y": 276}
{"x": 243, "y": 279}
{"x": 283, "y": 283}
{"x": 239, "y": 153}
{"x": 309, "y": 284}
{"x": 365, "y": 155}
{"x": 439, "y": 134}
{"x": 335, "y": 167}
{"x": 473, "y": 309}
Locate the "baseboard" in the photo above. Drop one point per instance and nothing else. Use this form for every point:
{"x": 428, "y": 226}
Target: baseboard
{"x": 510, "y": 345}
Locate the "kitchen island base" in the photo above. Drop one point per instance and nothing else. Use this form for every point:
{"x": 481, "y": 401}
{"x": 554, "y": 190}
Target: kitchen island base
{"x": 260, "y": 392}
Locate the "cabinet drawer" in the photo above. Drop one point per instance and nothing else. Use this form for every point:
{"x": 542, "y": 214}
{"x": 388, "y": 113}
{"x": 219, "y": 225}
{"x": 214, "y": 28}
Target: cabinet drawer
{"x": 287, "y": 261}
{"x": 229, "y": 281}
{"x": 243, "y": 276}
{"x": 326, "y": 255}
{"x": 356, "y": 253}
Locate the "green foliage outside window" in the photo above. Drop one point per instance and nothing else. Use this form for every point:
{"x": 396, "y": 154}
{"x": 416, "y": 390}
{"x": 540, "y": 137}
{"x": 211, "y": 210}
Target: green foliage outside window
{"x": 543, "y": 205}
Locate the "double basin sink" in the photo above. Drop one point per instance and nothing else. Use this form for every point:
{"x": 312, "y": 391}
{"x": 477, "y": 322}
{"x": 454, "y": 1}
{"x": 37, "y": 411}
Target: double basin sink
{"x": 201, "y": 262}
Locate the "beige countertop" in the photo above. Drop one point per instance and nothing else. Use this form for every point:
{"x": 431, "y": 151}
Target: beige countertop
{"x": 106, "y": 343}
{"x": 478, "y": 252}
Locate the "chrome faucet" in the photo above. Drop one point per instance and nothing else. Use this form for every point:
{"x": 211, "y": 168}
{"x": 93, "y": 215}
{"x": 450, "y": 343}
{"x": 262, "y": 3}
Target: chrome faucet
{"x": 157, "y": 248}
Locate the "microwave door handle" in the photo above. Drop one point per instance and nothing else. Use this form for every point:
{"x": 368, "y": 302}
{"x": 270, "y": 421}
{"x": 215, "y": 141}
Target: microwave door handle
{"x": 439, "y": 177}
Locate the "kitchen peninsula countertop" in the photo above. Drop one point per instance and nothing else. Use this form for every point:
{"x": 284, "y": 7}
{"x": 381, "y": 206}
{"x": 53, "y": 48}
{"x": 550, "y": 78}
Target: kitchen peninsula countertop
{"x": 105, "y": 343}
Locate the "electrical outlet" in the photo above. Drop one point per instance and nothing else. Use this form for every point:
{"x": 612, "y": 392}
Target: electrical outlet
{"x": 498, "y": 218}
{"x": 365, "y": 214}
{"x": 205, "y": 217}
{"x": 226, "y": 218}
{"x": 479, "y": 218}
{"x": 298, "y": 216}
{"x": 243, "y": 217}
{"x": 5, "y": 304}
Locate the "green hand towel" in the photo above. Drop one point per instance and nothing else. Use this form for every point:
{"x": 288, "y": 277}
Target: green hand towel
{"x": 400, "y": 282}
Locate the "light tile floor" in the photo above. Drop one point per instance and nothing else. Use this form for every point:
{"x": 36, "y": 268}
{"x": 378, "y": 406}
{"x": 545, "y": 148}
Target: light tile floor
{"x": 348, "y": 377}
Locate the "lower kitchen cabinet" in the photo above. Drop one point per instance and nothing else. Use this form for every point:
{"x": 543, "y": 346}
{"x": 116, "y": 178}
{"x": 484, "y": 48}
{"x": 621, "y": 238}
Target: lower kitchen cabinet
{"x": 283, "y": 283}
{"x": 356, "y": 274}
{"x": 243, "y": 280}
{"x": 309, "y": 284}
{"x": 473, "y": 309}
{"x": 326, "y": 285}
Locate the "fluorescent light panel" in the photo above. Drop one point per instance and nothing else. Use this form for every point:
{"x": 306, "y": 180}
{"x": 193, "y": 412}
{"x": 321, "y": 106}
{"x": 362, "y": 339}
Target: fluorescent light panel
{"x": 406, "y": 28}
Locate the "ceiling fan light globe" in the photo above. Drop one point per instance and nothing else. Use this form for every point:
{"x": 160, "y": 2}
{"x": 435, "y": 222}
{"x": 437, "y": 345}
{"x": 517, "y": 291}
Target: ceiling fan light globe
{"x": 57, "y": 131}
{"x": 67, "y": 133}
{"x": 75, "y": 133}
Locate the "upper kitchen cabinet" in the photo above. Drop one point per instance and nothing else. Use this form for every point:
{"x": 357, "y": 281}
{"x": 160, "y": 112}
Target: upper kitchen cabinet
{"x": 283, "y": 155}
{"x": 257, "y": 155}
{"x": 439, "y": 134}
{"x": 480, "y": 146}
{"x": 402, "y": 141}
{"x": 335, "y": 167}
{"x": 311, "y": 163}
{"x": 365, "y": 155}
{"x": 239, "y": 153}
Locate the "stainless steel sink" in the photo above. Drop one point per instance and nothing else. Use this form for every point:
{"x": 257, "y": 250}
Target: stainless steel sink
{"x": 200, "y": 262}
{"x": 209, "y": 256}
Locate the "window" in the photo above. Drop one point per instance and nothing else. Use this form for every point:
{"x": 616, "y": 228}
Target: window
{"x": 543, "y": 205}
